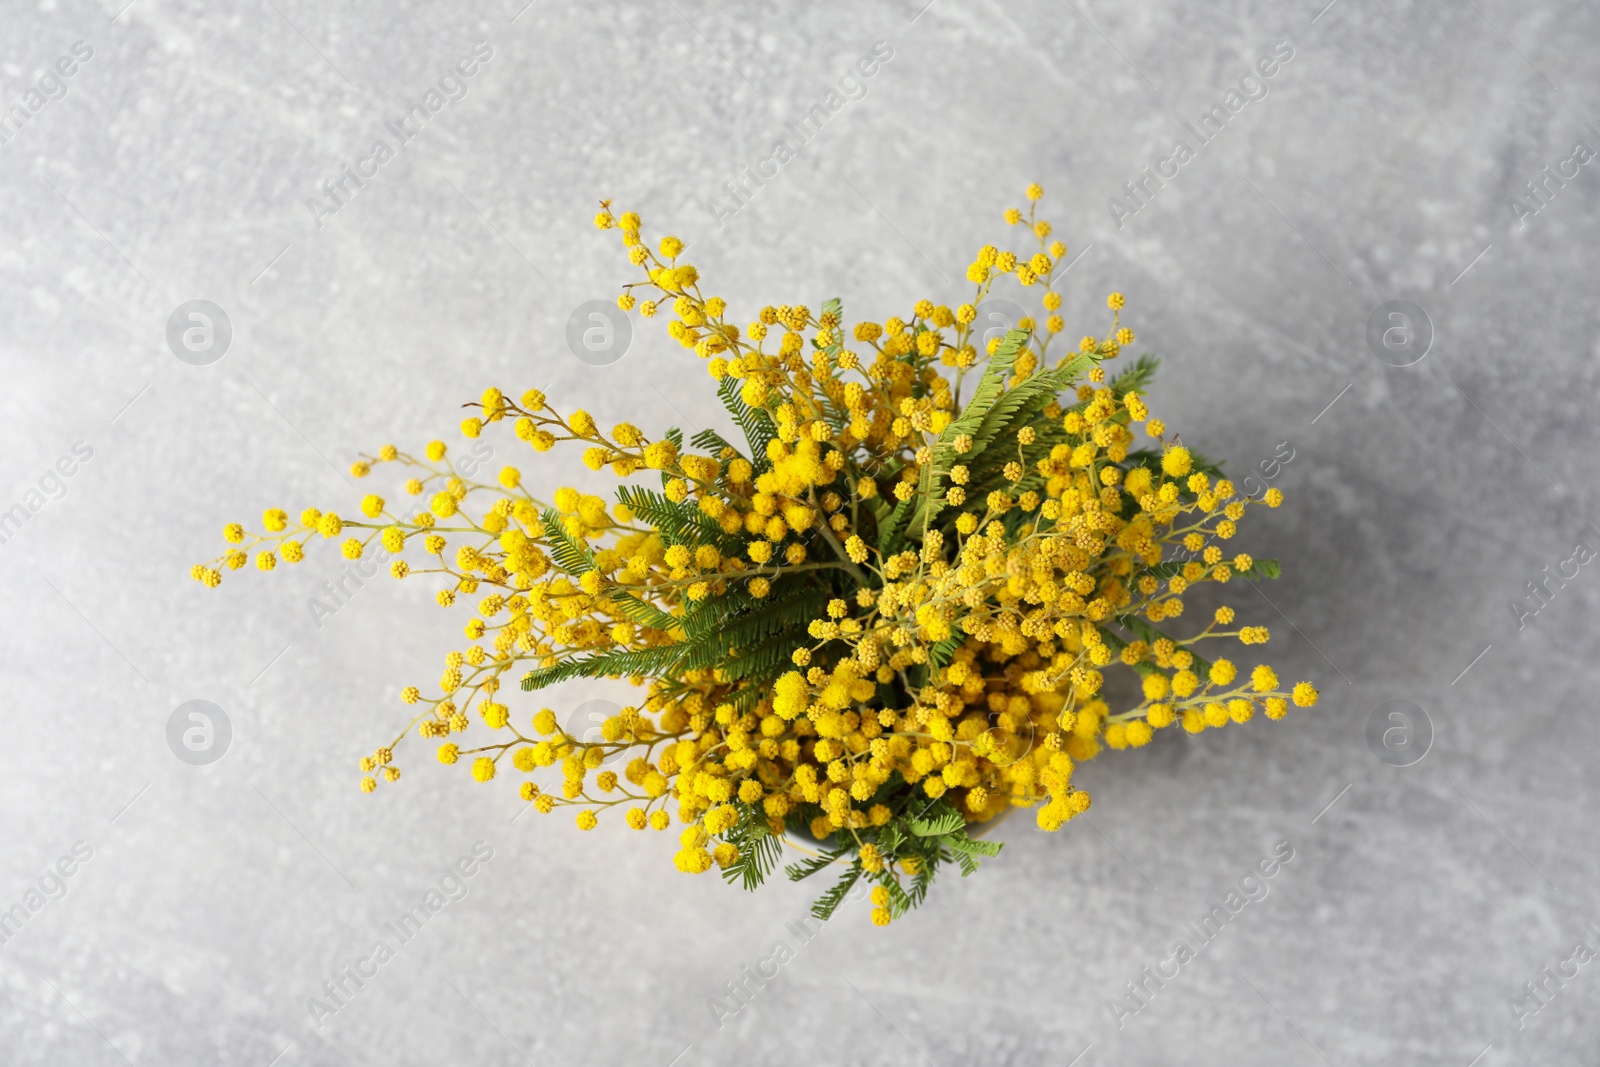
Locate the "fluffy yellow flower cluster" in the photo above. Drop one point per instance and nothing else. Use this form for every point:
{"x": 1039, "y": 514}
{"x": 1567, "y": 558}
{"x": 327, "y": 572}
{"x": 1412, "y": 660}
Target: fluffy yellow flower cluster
{"x": 885, "y": 618}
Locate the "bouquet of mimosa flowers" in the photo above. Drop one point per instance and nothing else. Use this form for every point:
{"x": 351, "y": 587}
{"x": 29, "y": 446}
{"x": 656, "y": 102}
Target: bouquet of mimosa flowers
{"x": 875, "y": 617}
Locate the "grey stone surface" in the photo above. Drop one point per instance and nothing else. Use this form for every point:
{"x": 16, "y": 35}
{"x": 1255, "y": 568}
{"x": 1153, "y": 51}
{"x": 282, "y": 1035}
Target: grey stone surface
{"x": 177, "y": 166}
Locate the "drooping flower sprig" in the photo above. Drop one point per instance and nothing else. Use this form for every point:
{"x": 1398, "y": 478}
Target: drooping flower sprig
{"x": 880, "y": 620}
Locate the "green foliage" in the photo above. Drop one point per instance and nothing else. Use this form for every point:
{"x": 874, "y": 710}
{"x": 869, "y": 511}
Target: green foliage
{"x": 820, "y": 862}
{"x": 941, "y": 652}
{"x": 829, "y": 902}
{"x": 971, "y": 846}
{"x": 642, "y": 663}
{"x": 889, "y": 531}
{"x": 568, "y": 554}
{"x": 1136, "y": 379}
{"x": 748, "y": 638}
{"x": 640, "y": 612}
{"x": 984, "y": 396}
{"x": 756, "y": 423}
{"x": 931, "y": 833}
{"x": 900, "y": 901}
{"x": 759, "y": 850}
{"x": 921, "y": 882}
{"x": 1020, "y": 405}
{"x": 712, "y": 441}
{"x": 992, "y": 416}
{"x": 678, "y": 524}
{"x": 759, "y": 636}
{"x": 971, "y": 422}
{"x": 1262, "y": 568}
{"x": 945, "y": 822}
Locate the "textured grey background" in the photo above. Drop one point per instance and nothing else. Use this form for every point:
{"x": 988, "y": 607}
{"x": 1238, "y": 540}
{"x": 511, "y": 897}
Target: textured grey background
{"x": 220, "y": 898}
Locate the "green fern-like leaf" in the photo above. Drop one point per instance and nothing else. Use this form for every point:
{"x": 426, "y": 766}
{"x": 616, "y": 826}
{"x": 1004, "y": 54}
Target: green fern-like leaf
{"x": 989, "y": 387}
{"x": 889, "y": 531}
{"x": 812, "y": 864}
{"x": 1028, "y": 396}
{"x": 751, "y": 644}
{"x": 759, "y": 850}
{"x": 712, "y": 441}
{"x": 756, "y": 424}
{"x": 569, "y": 555}
{"x": 899, "y": 900}
{"x": 640, "y": 612}
{"x": 1263, "y": 568}
{"x": 677, "y": 523}
{"x": 973, "y": 846}
{"x": 920, "y": 884}
{"x": 941, "y": 652}
{"x": 941, "y": 822}
{"x": 829, "y": 902}
{"x": 992, "y": 410}
{"x": 790, "y": 605}
{"x": 1019, "y": 407}
{"x": 648, "y": 663}
{"x": 1137, "y": 378}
